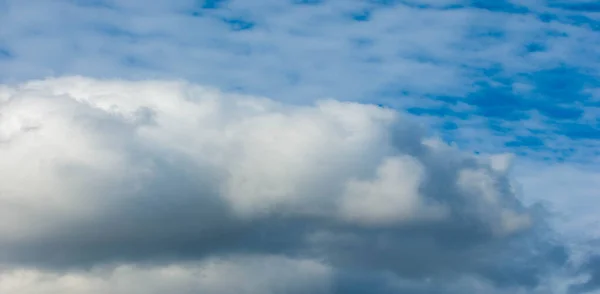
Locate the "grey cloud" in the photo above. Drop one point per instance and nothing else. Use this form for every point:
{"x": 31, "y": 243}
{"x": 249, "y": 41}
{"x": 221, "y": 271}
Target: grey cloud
{"x": 155, "y": 173}
{"x": 229, "y": 275}
{"x": 591, "y": 268}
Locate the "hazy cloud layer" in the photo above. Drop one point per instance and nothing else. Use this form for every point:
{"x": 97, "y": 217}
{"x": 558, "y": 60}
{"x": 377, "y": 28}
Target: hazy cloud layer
{"x": 99, "y": 173}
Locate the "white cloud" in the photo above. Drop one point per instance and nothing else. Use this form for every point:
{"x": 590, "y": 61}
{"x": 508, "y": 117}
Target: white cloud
{"x": 104, "y": 171}
{"x": 263, "y": 154}
{"x": 392, "y": 197}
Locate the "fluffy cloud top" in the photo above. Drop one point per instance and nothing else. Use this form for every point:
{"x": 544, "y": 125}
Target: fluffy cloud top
{"x": 99, "y": 172}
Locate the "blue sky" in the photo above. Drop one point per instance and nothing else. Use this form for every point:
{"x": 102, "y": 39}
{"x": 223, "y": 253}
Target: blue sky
{"x": 524, "y": 72}
{"x": 490, "y": 76}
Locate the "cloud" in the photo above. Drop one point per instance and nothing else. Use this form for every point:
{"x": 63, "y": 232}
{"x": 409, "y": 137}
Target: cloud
{"x": 486, "y": 64}
{"x": 257, "y": 274}
{"x": 516, "y": 76}
{"x": 568, "y": 191}
{"x": 592, "y": 268}
{"x": 105, "y": 172}
{"x": 542, "y": 182}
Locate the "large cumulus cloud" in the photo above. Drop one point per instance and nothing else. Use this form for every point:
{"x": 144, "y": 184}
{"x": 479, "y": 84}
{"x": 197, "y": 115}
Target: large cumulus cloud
{"x": 151, "y": 172}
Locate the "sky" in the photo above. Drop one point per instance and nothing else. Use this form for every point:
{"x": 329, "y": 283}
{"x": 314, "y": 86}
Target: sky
{"x": 299, "y": 146}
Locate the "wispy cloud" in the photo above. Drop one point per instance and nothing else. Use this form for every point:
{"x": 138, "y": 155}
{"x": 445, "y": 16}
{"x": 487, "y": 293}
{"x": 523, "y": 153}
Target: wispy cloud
{"x": 506, "y": 60}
